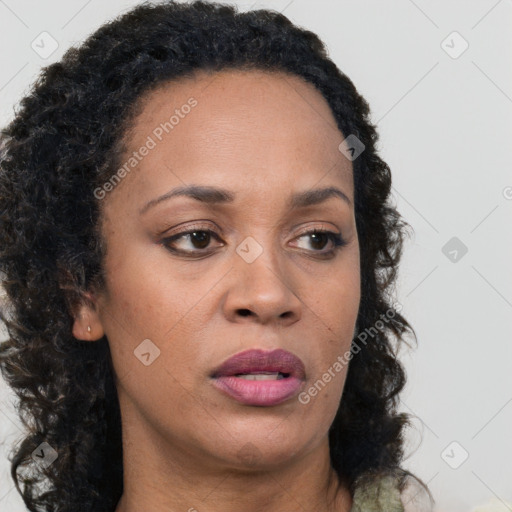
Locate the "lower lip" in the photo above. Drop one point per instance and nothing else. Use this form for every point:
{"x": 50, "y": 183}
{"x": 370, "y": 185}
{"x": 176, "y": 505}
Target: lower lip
{"x": 258, "y": 392}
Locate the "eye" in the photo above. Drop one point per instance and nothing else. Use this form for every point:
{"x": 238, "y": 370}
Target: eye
{"x": 193, "y": 241}
{"x": 319, "y": 237}
{"x": 196, "y": 240}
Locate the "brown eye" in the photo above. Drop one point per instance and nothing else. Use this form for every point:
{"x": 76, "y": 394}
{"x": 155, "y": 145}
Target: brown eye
{"x": 197, "y": 242}
{"x": 319, "y": 240}
{"x": 201, "y": 238}
{"x": 191, "y": 241}
{"x": 320, "y": 237}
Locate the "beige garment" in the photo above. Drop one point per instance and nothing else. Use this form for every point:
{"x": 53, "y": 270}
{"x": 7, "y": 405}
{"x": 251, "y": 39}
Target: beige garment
{"x": 382, "y": 494}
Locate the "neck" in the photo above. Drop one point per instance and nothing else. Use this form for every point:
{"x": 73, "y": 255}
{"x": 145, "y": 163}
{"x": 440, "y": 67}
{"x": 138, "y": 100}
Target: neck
{"x": 165, "y": 476}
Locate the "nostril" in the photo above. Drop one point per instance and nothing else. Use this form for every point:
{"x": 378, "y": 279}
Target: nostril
{"x": 244, "y": 312}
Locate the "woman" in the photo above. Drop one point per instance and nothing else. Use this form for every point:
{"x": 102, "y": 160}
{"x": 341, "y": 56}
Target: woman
{"x": 198, "y": 252}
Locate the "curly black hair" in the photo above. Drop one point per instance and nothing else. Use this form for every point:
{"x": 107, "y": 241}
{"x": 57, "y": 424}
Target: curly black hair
{"x": 66, "y": 139}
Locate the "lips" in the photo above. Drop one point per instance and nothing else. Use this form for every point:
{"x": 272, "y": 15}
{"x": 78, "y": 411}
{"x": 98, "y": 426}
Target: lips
{"x": 231, "y": 377}
{"x": 254, "y": 361}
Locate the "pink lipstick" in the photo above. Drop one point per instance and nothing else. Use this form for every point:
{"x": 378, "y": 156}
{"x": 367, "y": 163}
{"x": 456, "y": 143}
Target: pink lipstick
{"x": 261, "y": 378}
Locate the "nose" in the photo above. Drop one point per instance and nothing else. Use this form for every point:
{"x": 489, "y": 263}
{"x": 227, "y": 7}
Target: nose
{"x": 261, "y": 291}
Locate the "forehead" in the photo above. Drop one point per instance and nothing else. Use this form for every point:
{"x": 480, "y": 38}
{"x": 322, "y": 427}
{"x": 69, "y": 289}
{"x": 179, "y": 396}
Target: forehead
{"x": 238, "y": 88}
{"x": 237, "y": 127}
{"x": 232, "y": 104}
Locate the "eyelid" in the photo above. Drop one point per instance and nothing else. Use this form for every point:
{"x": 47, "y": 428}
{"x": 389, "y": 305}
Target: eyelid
{"x": 309, "y": 229}
{"x": 335, "y": 237}
{"x": 198, "y": 225}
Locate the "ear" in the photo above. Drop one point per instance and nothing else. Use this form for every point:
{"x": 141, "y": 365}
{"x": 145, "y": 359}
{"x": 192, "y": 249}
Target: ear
{"x": 87, "y": 325}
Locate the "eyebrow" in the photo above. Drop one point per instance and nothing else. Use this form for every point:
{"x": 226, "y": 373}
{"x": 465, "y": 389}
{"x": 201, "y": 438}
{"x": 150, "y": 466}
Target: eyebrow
{"x": 214, "y": 195}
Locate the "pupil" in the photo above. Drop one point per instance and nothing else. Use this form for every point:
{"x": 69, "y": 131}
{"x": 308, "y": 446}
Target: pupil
{"x": 203, "y": 238}
{"x": 315, "y": 236}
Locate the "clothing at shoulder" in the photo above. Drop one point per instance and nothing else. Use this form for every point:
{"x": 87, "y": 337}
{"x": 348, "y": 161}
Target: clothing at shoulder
{"x": 382, "y": 494}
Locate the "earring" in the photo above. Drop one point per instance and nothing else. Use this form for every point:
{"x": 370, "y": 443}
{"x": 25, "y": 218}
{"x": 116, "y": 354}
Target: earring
{"x": 88, "y": 328}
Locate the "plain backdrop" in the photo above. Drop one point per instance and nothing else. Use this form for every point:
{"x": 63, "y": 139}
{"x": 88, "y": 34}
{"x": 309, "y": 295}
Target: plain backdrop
{"x": 438, "y": 79}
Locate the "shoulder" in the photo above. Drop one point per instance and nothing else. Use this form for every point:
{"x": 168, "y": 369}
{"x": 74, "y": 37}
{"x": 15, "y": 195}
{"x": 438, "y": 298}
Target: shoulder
{"x": 415, "y": 497}
{"x": 390, "y": 492}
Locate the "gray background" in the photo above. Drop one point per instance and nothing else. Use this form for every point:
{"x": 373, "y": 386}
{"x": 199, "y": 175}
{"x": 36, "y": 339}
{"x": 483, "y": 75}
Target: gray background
{"x": 445, "y": 123}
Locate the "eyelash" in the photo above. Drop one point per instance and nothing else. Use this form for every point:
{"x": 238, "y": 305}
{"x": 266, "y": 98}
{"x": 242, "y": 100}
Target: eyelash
{"x": 336, "y": 238}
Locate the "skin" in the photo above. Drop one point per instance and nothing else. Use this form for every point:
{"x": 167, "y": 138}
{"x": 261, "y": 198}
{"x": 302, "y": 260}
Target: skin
{"x": 186, "y": 445}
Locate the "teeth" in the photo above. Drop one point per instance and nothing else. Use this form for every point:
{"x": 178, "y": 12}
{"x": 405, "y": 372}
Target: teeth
{"x": 262, "y": 376}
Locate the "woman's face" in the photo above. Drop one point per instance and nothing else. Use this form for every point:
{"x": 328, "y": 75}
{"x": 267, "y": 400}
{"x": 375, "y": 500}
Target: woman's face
{"x": 175, "y": 308}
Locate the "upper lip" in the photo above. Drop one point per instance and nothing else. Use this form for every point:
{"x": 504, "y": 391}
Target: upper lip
{"x": 255, "y": 360}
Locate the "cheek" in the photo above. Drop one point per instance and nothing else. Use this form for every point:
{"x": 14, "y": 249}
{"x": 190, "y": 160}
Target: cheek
{"x": 153, "y": 307}
{"x": 335, "y": 301}
{"x": 147, "y": 297}
{"x": 149, "y": 323}
{"x": 335, "y": 313}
